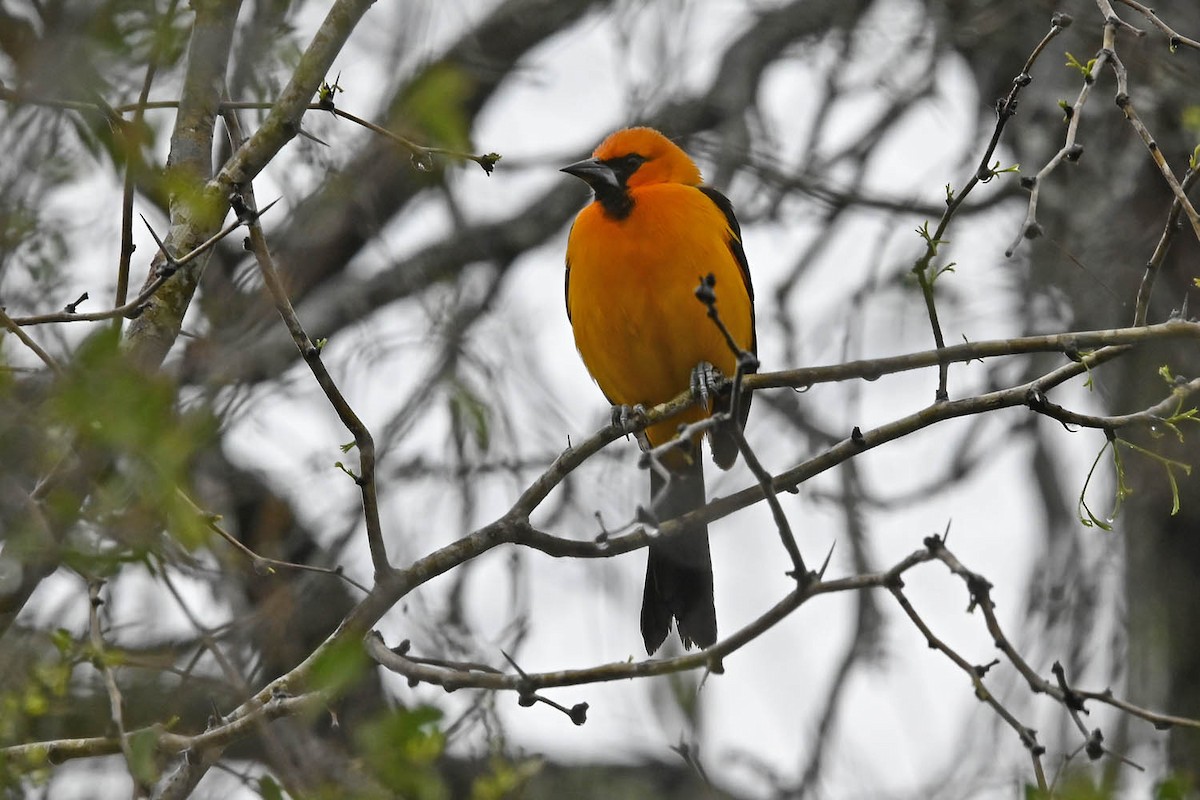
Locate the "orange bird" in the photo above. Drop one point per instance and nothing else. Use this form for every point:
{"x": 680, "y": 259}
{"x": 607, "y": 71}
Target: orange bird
{"x": 635, "y": 256}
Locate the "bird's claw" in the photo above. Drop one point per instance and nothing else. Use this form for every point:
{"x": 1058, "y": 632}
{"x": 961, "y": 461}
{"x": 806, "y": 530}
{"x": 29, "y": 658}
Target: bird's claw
{"x": 629, "y": 417}
{"x": 706, "y": 383}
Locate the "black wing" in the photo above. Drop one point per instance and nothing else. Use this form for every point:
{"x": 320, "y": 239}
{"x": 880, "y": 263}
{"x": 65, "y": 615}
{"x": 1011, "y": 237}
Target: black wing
{"x": 722, "y": 440}
{"x": 735, "y": 247}
{"x": 567, "y": 289}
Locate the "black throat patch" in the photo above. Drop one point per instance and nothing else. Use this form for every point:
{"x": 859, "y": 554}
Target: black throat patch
{"x": 616, "y": 200}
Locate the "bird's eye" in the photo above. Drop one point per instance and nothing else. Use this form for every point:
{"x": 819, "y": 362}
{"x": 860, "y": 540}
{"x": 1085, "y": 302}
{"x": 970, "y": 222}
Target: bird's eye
{"x": 624, "y": 166}
{"x": 633, "y": 161}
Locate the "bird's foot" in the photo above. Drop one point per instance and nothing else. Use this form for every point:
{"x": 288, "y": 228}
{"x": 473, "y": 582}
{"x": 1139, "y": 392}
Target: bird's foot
{"x": 707, "y": 382}
{"x": 629, "y": 418}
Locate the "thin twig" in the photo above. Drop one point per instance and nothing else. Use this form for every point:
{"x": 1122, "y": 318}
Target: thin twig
{"x": 1006, "y": 108}
{"x": 14, "y": 327}
{"x": 245, "y": 206}
{"x": 1175, "y": 40}
{"x": 1027, "y": 734}
{"x": 262, "y": 564}
{"x": 115, "y": 703}
{"x": 134, "y": 307}
{"x": 1071, "y": 150}
{"x": 1145, "y": 290}
{"x": 134, "y": 163}
{"x": 311, "y": 354}
{"x": 1158, "y": 414}
{"x": 1125, "y": 103}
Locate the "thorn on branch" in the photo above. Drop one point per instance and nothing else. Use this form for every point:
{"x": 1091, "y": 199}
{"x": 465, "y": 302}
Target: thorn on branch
{"x": 982, "y": 669}
{"x": 71, "y": 307}
{"x": 527, "y": 697}
{"x": 316, "y": 139}
{"x": 215, "y": 717}
{"x": 820, "y": 574}
{"x": 172, "y": 265}
{"x": 515, "y": 666}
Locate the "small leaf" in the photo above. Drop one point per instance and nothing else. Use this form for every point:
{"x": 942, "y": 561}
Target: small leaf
{"x": 143, "y": 763}
{"x": 339, "y": 665}
{"x": 269, "y": 789}
{"x": 402, "y": 749}
{"x": 434, "y": 107}
{"x": 63, "y": 641}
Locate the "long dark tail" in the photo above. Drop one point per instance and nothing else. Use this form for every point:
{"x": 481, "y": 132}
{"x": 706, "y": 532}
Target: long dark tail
{"x": 679, "y": 577}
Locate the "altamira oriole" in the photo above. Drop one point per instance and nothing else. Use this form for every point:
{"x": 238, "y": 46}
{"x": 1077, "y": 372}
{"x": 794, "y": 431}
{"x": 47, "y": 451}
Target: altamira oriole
{"x": 635, "y": 256}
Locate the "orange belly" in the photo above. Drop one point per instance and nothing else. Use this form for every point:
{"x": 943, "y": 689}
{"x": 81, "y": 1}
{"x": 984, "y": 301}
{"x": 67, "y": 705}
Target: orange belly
{"x": 638, "y": 325}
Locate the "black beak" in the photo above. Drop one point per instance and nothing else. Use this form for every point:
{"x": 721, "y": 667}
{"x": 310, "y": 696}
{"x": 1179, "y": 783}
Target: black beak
{"x": 594, "y": 172}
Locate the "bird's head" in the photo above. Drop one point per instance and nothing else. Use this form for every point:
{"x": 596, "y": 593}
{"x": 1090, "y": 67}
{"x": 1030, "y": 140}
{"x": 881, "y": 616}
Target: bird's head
{"x": 634, "y": 157}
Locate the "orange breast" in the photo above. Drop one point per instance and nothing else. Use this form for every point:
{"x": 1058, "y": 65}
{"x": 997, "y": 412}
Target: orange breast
{"x": 637, "y": 322}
